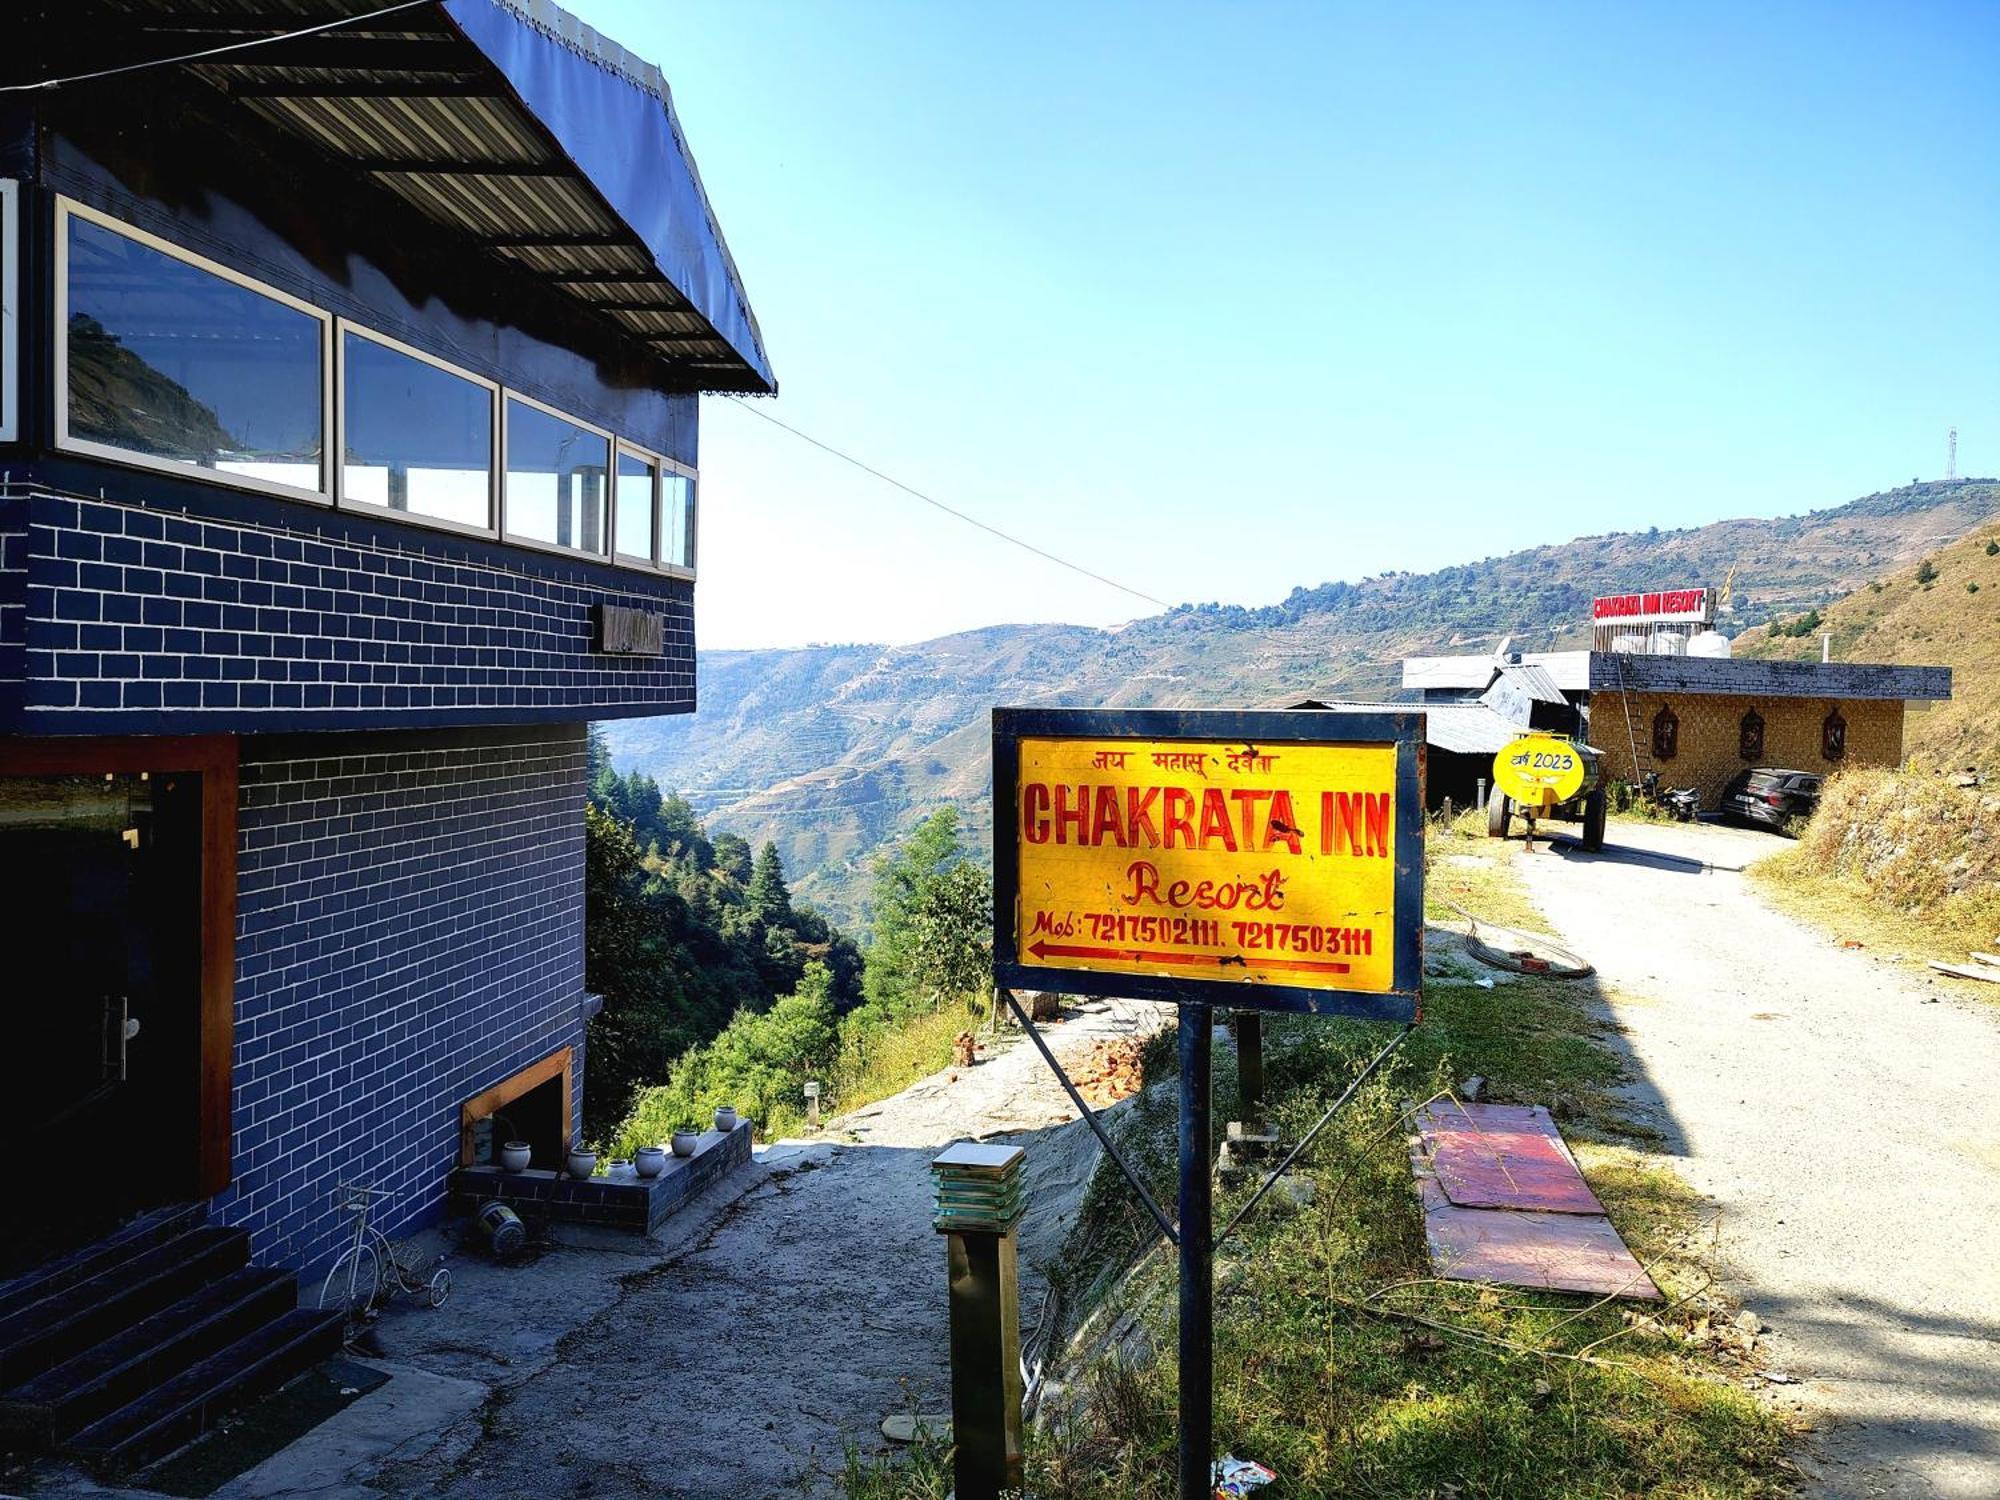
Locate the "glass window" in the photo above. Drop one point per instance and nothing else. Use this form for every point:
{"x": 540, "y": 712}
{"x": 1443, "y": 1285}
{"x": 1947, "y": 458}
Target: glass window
{"x": 635, "y": 506}
{"x": 9, "y": 287}
{"x": 555, "y": 479}
{"x": 677, "y": 522}
{"x": 178, "y": 363}
{"x": 418, "y": 438}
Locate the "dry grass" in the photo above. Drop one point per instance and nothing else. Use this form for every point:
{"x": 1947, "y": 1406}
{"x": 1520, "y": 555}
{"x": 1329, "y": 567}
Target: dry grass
{"x": 1952, "y": 620}
{"x": 1902, "y": 861}
{"x": 1339, "y": 1361}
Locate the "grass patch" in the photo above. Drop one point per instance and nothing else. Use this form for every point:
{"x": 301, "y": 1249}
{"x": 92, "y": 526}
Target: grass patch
{"x": 897, "y": 1058}
{"x": 1339, "y": 1361}
{"x": 1901, "y": 861}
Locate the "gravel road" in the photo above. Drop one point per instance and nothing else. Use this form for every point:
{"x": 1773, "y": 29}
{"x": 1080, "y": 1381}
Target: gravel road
{"x": 748, "y": 1360}
{"x": 1839, "y": 1112}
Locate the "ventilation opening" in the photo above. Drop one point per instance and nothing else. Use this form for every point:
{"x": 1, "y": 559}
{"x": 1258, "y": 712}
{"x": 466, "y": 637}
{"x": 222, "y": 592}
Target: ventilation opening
{"x": 531, "y": 1106}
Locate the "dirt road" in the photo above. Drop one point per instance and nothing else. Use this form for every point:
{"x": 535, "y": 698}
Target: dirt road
{"x": 1839, "y": 1112}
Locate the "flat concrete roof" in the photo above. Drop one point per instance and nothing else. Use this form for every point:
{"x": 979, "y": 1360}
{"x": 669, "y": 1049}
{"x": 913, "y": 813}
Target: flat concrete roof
{"x": 1578, "y": 672}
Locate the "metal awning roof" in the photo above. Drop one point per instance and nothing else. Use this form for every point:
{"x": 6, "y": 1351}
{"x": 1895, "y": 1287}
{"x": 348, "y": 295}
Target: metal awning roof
{"x": 511, "y": 124}
{"x": 1456, "y": 728}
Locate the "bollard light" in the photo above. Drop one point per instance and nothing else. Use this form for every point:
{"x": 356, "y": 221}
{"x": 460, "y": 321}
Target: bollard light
{"x": 981, "y": 1195}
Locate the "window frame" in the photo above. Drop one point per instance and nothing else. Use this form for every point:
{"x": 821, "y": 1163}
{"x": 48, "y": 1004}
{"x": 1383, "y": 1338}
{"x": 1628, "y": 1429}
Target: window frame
{"x": 659, "y": 462}
{"x": 10, "y": 315}
{"x": 513, "y": 538}
{"x": 495, "y": 396}
{"x": 693, "y": 477}
{"x": 67, "y": 209}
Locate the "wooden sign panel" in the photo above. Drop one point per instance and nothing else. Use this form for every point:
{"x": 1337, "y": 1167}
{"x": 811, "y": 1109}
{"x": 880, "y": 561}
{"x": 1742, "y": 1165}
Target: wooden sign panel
{"x": 1259, "y": 860}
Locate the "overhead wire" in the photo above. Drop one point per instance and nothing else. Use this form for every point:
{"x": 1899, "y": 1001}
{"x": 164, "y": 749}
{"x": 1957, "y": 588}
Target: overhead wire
{"x": 208, "y": 52}
{"x": 950, "y": 510}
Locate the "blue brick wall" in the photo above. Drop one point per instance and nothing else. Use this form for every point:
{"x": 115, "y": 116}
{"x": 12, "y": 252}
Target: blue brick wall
{"x": 126, "y": 618}
{"x": 409, "y": 933}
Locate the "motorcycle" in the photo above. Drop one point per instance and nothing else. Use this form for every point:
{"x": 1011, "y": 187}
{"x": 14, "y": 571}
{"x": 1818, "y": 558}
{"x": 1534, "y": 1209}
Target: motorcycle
{"x": 1682, "y": 803}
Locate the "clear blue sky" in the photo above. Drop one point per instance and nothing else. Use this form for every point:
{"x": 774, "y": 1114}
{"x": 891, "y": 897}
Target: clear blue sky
{"x": 1223, "y": 299}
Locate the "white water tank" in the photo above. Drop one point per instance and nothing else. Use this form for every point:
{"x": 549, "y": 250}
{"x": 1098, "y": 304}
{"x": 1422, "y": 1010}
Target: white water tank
{"x": 1632, "y": 643}
{"x": 1710, "y": 643}
{"x": 1667, "y": 643}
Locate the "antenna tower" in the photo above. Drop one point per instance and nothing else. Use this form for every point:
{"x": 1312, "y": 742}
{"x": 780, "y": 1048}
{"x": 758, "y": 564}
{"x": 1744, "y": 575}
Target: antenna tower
{"x": 1951, "y": 456}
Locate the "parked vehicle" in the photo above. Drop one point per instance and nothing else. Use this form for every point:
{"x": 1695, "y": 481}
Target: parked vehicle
{"x": 1684, "y": 802}
{"x": 1771, "y": 796}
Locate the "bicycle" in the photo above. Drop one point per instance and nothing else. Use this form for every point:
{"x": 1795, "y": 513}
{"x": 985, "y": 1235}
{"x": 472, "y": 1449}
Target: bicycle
{"x": 374, "y": 1271}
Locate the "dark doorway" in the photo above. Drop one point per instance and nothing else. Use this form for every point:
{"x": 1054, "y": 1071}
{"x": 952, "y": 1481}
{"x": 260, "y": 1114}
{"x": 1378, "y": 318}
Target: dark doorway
{"x": 103, "y": 1013}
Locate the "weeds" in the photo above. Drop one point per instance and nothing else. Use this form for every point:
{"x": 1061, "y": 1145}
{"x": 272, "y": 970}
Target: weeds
{"x": 1340, "y": 1361}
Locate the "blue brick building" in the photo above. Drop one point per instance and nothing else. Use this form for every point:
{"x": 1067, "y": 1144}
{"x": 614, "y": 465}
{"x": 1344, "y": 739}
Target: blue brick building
{"x": 348, "y": 467}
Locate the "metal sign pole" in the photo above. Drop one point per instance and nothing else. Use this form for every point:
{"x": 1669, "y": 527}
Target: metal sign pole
{"x": 1197, "y": 1334}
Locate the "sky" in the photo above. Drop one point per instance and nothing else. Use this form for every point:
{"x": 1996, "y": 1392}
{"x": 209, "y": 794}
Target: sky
{"x": 1219, "y": 300}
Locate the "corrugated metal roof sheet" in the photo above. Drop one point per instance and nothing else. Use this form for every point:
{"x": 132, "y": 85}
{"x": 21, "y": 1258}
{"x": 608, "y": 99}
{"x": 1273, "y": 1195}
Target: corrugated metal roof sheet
{"x": 487, "y": 118}
{"x": 1535, "y": 680}
{"x": 1457, "y": 728}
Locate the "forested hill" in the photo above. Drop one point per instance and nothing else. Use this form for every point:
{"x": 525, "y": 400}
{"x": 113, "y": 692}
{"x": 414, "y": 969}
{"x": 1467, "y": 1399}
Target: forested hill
{"x": 829, "y": 750}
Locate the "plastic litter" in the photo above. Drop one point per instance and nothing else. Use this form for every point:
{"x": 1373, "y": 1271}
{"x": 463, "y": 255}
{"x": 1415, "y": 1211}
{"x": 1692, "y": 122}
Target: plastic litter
{"x": 1237, "y": 1477}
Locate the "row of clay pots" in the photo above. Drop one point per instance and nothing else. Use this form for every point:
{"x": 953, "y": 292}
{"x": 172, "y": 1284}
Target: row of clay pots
{"x": 650, "y": 1161}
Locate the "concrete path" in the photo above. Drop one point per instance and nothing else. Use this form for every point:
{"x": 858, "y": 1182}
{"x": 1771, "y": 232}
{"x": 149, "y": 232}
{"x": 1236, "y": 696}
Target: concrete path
{"x": 752, "y": 1359}
{"x": 1841, "y": 1114}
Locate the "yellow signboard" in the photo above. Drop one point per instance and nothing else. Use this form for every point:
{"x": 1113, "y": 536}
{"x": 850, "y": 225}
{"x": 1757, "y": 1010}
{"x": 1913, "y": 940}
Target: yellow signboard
{"x": 1248, "y": 863}
{"x": 1540, "y": 770}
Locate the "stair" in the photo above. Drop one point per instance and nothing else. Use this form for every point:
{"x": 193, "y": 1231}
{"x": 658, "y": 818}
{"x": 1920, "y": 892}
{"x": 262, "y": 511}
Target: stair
{"x": 128, "y": 1349}
{"x": 181, "y": 1410}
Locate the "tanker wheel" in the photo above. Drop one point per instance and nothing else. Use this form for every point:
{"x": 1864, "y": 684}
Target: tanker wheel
{"x": 1496, "y": 816}
{"x": 1593, "y": 820}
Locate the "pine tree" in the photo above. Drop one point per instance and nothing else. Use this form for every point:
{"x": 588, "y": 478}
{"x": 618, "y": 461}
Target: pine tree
{"x": 769, "y": 898}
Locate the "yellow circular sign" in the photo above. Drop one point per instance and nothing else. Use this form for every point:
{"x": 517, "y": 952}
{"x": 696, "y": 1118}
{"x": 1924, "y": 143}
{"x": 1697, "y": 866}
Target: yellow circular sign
{"x": 1540, "y": 770}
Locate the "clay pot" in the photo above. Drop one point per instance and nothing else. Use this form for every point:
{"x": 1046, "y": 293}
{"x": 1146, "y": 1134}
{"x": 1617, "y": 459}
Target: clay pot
{"x": 515, "y": 1156}
{"x": 582, "y": 1163}
{"x": 650, "y": 1161}
{"x": 725, "y": 1118}
{"x": 685, "y": 1141}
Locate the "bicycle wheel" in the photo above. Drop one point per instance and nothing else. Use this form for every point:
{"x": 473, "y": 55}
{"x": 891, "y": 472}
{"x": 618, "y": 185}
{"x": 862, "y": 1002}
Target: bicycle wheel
{"x": 354, "y": 1283}
{"x": 440, "y": 1286}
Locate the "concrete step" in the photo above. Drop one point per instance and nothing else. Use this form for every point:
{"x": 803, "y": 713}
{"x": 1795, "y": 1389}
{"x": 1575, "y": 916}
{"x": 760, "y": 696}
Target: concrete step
{"x": 115, "y": 1249}
{"x": 47, "y": 1330}
{"x": 101, "y": 1379}
{"x": 179, "y": 1411}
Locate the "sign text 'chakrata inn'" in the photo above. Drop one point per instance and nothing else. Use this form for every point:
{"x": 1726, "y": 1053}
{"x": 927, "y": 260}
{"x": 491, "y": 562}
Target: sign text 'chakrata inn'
{"x": 1253, "y": 859}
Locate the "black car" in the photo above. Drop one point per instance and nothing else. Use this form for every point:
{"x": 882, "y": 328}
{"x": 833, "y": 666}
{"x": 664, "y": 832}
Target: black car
{"x": 1771, "y": 796}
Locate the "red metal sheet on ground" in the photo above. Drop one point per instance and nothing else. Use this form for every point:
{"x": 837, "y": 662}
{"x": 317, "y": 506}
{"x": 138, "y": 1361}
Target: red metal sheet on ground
{"x": 1503, "y": 1156}
{"x": 1543, "y": 1251}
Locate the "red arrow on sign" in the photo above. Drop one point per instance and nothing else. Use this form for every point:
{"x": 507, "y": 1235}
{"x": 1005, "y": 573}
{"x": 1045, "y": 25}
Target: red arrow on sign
{"x": 1146, "y": 955}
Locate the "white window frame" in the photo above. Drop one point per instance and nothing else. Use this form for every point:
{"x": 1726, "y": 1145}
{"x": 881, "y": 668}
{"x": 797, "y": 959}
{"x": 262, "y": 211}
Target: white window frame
{"x": 693, "y": 477}
{"x": 69, "y": 208}
{"x": 512, "y": 538}
{"x": 659, "y": 463}
{"x": 10, "y": 317}
{"x": 495, "y": 395}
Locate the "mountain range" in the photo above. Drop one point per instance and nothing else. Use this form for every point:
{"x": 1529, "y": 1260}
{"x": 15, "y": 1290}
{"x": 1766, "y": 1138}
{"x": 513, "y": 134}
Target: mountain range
{"x": 831, "y": 750}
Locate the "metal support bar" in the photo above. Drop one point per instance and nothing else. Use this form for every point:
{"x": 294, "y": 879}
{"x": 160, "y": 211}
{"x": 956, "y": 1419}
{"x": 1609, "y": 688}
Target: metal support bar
{"x": 1197, "y": 1331}
{"x": 1090, "y": 1118}
{"x": 1312, "y": 1135}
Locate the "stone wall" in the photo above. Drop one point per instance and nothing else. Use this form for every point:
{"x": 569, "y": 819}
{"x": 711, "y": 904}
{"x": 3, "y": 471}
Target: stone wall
{"x": 1709, "y": 736}
{"x": 409, "y": 933}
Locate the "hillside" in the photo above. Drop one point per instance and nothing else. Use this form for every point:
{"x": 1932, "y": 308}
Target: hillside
{"x": 829, "y": 750}
{"x": 1943, "y": 610}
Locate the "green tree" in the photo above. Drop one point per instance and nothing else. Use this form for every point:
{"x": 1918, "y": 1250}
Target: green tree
{"x": 769, "y": 899}
{"x": 953, "y": 924}
{"x": 917, "y": 907}
{"x": 732, "y": 857}
{"x": 1926, "y": 573}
